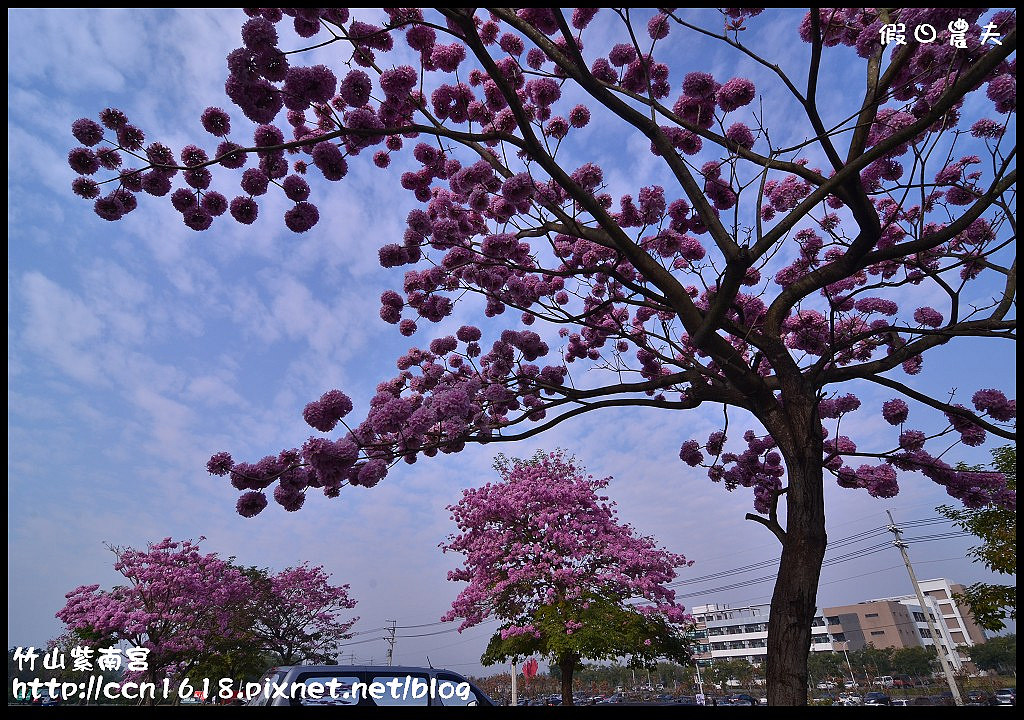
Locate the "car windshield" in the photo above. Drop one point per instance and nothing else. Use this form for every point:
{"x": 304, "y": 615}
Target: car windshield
{"x": 272, "y": 677}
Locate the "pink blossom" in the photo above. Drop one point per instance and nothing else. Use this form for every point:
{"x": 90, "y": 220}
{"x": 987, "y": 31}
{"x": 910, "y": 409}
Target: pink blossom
{"x": 735, "y": 93}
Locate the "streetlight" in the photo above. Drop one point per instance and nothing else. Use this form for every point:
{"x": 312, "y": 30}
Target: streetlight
{"x": 847, "y": 656}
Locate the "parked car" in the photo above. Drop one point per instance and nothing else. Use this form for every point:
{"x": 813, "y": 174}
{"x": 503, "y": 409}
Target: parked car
{"x": 1006, "y": 696}
{"x": 366, "y": 685}
{"x": 900, "y": 701}
{"x": 741, "y": 699}
{"x": 877, "y": 698}
{"x": 902, "y": 681}
{"x": 979, "y": 697}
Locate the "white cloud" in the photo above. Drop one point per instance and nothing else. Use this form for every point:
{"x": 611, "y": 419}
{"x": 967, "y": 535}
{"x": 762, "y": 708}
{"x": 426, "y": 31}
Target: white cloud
{"x": 58, "y": 324}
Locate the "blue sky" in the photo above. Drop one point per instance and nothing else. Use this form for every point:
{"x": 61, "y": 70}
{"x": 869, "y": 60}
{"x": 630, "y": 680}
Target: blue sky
{"x": 138, "y": 348}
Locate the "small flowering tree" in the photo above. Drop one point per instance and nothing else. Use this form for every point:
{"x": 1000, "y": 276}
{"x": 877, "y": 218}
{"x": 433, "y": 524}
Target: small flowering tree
{"x": 297, "y": 614}
{"x": 192, "y": 610}
{"x": 178, "y": 603}
{"x": 779, "y": 266}
{"x": 546, "y": 555}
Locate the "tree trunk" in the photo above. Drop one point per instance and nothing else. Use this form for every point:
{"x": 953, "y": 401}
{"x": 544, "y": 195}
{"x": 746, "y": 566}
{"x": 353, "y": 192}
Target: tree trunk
{"x": 567, "y": 666}
{"x": 797, "y": 431}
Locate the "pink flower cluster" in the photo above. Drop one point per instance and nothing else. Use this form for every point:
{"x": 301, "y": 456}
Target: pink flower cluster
{"x": 544, "y": 535}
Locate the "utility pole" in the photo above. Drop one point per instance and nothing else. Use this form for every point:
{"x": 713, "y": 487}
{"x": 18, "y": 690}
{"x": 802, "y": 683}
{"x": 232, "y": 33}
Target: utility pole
{"x": 391, "y": 641}
{"x": 936, "y": 638}
{"x": 515, "y": 694}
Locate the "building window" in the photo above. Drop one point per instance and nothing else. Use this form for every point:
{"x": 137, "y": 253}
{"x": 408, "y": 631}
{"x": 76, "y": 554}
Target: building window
{"x": 878, "y": 632}
{"x": 871, "y": 615}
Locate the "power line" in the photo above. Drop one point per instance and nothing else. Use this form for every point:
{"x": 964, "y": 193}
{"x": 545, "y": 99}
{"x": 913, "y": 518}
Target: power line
{"x": 850, "y": 539}
{"x": 360, "y": 642}
{"x": 835, "y": 560}
{"x": 827, "y": 563}
{"x": 439, "y": 632}
{"x": 423, "y": 625}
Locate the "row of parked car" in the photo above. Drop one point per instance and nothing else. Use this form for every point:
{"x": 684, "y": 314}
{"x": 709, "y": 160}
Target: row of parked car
{"x": 634, "y": 699}
{"x": 1004, "y": 696}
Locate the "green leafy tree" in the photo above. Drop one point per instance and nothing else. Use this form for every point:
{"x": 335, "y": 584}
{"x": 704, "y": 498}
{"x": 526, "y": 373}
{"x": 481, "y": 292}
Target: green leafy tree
{"x": 825, "y": 666}
{"x": 872, "y": 661}
{"x": 999, "y": 653}
{"x": 996, "y": 526}
{"x": 916, "y": 661}
{"x": 739, "y": 671}
{"x": 606, "y": 629}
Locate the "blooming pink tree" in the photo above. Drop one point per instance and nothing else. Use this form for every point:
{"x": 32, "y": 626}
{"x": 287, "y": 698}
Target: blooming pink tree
{"x": 191, "y": 609}
{"x": 766, "y": 278}
{"x": 177, "y": 603}
{"x": 546, "y": 555}
{"x": 297, "y": 614}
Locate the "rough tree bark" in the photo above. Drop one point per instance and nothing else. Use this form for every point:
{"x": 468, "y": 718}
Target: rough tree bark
{"x": 567, "y": 666}
{"x": 795, "y": 426}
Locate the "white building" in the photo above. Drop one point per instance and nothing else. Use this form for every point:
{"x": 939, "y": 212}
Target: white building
{"x": 729, "y": 633}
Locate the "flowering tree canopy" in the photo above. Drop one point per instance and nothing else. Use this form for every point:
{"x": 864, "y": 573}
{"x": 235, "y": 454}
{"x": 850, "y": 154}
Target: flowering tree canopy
{"x": 192, "y": 609}
{"x": 766, "y": 276}
{"x": 546, "y": 555}
{"x": 177, "y": 603}
{"x": 296, "y": 614}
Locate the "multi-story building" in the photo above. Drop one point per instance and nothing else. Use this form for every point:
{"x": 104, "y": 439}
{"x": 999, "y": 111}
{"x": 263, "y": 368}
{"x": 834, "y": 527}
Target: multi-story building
{"x": 957, "y": 624}
{"x": 893, "y": 623}
{"x": 728, "y": 633}
{"x": 962, "y": 626}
